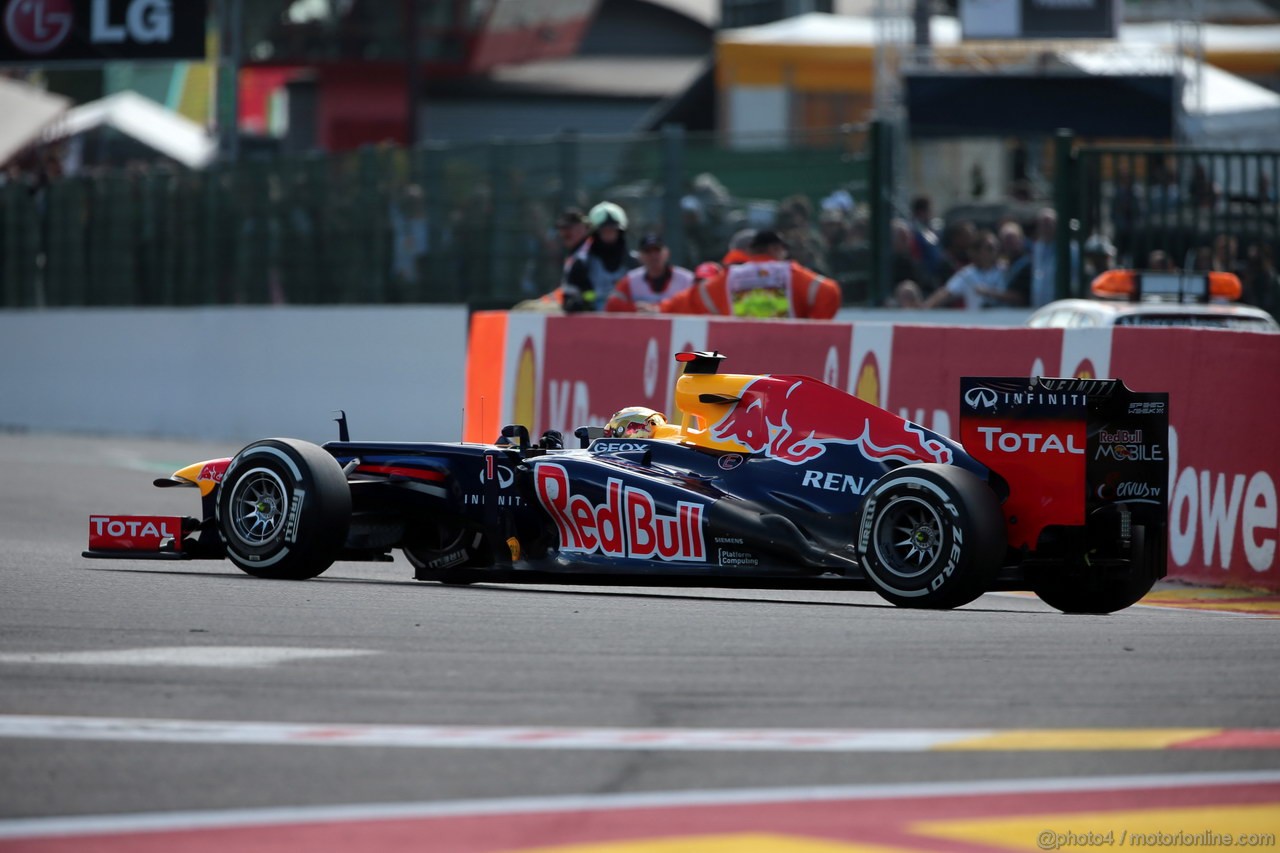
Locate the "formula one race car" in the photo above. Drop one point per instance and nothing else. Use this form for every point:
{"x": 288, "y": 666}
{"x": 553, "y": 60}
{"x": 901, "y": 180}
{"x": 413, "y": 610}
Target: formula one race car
{"x": 1057, "y": 486}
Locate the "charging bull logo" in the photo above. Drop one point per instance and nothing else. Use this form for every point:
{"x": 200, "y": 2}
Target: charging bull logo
{"x": 786, "y": 418}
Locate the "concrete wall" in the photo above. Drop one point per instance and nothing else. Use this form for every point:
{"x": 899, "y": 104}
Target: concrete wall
{"x": 236, "y": 374}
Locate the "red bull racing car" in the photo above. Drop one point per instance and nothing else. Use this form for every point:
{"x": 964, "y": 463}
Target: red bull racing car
{"x": 1055, "y": 486}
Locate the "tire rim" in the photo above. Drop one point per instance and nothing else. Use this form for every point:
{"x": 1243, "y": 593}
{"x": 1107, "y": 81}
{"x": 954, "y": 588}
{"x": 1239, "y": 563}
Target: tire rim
{"x": 909, "y": 537}
{"x": 259, "y": 503}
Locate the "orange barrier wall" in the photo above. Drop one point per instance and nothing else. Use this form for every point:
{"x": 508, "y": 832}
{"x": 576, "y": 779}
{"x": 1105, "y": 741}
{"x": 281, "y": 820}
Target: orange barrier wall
{"x": 555, "y": 372}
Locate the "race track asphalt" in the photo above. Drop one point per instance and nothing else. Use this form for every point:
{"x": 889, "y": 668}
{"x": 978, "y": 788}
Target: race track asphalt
{"x": 387, "y": 650}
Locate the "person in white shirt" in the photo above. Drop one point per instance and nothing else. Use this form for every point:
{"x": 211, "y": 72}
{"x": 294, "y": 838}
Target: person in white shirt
{"x": 981, "y": 284}
{"x": 654, "y": 280}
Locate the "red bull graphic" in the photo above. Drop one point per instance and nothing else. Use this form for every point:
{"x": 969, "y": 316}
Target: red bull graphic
{"x": 793, "y": 419}
{"x": 213, "y": 471}
{"x": 627, "y": 524}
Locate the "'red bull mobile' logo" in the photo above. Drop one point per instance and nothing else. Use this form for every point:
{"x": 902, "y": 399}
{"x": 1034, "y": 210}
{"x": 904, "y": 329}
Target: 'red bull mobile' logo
{"x": 781, "y": 420}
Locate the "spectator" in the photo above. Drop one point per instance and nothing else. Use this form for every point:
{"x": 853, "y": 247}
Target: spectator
{"x": 1225, "y": 256}
{"x": 571, "y": 235}
{"x": 1266, "y": 192}
{"x": 925, "y": 245}
{"x": 1261, "y": 282}
{"x": 910, "y": 284}
{"x": 1202, "y": 190}
{"x": 977, "y": 182}
{"x": 1020, "y": 164}
{"x": 1099, "y": 256}
{"x": 600, "y": 261}
{"x": 1016, "y": 261}
{"x": 411, "y": 243}
{"x": 697, "y": 239}
{"x": 795, "y": 224}
{"x": 641, "y": 289}
{"x": 981, "y": 284}
{"x": 1044, "y": 258}
{"x": 760, "y": 282}
{"x": 1126, "y": 209}
{"x": 846, "y": 254}
{"x": 572, "y": 228}
{"x": 957, "y": 239}
{"x": 1162, "y": 187}
{"x": 1159, "y": 261}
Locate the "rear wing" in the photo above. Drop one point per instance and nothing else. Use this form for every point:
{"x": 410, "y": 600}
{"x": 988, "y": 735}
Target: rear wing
{"x": 1069, "y": 448}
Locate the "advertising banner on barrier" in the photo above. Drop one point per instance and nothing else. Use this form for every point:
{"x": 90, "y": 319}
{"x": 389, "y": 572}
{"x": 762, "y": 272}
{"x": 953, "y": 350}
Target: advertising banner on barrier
{"x": 565, "y": 372}
{"x": 1224, "y": 458}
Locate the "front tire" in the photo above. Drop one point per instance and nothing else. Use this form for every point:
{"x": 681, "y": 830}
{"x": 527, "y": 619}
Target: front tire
{"x": 931, "y": 536}
{"x": 284, "y": 508}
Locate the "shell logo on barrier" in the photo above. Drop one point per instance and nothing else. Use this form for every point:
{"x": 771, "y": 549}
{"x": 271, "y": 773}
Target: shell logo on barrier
{"x": 651, "y": 369}
{"x": 831, "y": 369}
{"x": 526, "y": 396}
{"x": 1085, "y": 370}
{"x": 868, "y": 383}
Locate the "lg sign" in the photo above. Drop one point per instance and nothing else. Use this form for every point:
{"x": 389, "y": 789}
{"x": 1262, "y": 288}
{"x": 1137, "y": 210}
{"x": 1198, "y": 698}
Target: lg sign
{"x": 57, "y": 30}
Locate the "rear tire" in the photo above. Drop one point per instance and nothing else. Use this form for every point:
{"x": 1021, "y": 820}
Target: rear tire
{"x": 1097, "y": 593}
{"x": 284, "y": 508}
{"x": 931, "y": 536}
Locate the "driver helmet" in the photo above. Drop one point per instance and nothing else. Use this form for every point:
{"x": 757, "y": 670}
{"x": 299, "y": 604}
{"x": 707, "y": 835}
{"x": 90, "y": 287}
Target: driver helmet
{"x": 634, "y": 422}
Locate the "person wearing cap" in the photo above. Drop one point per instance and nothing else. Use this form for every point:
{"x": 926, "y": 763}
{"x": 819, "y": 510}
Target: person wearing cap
{"x": 600, "y": 262}
{"x": 759, "y": 281}
{"x": 571, "y": 226}
{"x": 572, "y": 231}
{"x": 641, "y": 289}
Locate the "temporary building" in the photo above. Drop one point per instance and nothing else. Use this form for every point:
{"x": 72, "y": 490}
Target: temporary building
{"x": 819, "y": 70}
{"x": 144, "y": 120}
{"x": 27, "y": 112}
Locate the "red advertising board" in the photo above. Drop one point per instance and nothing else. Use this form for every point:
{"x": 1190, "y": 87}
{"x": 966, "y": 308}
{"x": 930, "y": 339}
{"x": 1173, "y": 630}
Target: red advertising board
{"x": 1224, "y": 459}
{"x": 928, "y": 361}
{"x": 591, "y": 369}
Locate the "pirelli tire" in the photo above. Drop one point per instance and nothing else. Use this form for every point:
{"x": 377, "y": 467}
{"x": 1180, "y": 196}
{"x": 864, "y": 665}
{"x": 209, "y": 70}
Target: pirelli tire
{"x": 440, "y": 551}
{"x": 283, "y": 509}
{"x": 931, "y": 536}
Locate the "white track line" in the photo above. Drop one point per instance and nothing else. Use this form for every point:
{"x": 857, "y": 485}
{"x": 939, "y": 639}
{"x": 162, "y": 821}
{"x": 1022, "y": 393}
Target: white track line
{"x": 221, "y": 657}
{"x": 480, "y": 737}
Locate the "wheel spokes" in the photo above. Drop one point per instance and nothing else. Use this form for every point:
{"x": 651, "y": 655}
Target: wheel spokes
{"x": 258, "y": 506}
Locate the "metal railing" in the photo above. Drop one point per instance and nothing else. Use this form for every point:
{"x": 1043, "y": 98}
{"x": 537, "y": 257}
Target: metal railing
{"x": 436, "y": 223}
{"x": 1193, "y": 208}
